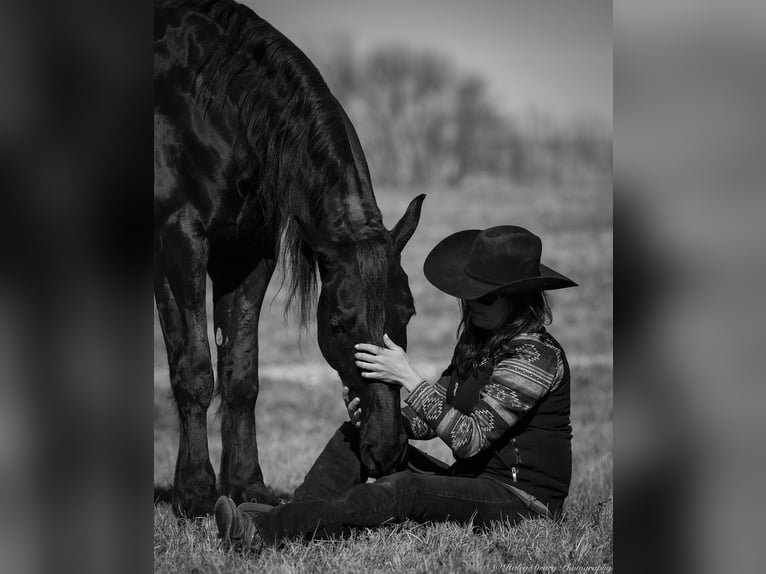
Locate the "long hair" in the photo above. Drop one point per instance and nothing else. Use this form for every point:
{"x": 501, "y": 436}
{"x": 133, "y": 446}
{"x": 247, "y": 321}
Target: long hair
{"x": 374, "y": 274}
{"x": 530, "y": 313}
{"x": 291, "y": 135}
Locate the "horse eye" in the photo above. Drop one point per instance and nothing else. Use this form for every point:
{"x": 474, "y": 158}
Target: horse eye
{"x": 337, "y": 326}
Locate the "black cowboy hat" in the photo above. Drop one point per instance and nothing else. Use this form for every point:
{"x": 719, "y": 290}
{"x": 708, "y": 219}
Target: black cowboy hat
{"x": 504, "y": 259}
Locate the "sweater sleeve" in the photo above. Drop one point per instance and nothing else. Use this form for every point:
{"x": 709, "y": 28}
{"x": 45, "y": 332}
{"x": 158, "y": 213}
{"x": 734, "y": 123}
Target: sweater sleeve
{"x": 528, "y": 370}
{"x": 415, "y": 425}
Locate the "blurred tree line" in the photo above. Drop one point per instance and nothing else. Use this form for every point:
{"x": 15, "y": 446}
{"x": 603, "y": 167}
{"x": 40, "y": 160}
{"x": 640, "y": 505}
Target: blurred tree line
{"x": 423, "y": 122}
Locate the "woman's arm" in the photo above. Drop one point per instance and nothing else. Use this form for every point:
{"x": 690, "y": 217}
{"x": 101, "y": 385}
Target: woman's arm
{"x": 390, "y": 364}
{"x": 529, "y": 370}
{"x": 415, "y": 425}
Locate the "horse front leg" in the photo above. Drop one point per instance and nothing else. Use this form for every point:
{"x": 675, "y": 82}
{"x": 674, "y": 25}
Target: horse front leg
{"x": 236, "y": 333}
{"x": 179, "y": 286}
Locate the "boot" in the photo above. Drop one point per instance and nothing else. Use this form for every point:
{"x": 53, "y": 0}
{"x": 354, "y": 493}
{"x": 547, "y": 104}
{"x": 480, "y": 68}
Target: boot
{"x": 236, "y": 528}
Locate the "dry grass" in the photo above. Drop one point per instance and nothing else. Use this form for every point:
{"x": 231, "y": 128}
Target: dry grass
{"x": 295, "y": 419}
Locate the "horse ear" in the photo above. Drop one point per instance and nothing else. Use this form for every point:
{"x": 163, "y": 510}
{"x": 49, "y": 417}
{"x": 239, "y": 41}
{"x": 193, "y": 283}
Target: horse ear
{"x": 405, "y": 227}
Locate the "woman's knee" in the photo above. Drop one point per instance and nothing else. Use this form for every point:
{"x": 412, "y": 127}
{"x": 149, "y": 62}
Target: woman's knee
{"x": 401, "y": 486}
{"x": 397, "y": 480}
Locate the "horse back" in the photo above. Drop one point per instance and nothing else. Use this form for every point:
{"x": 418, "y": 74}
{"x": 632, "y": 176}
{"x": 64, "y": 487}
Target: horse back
{"x": 196, "y": 172}
{"x": 247, "y": 132}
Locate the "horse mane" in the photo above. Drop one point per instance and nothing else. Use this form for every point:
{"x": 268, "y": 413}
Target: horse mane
{"x": 292, "y": 135}
{"x": 372, "y": 260}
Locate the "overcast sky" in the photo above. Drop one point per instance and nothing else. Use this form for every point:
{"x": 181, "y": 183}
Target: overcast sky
{"x": 552, "y": 55}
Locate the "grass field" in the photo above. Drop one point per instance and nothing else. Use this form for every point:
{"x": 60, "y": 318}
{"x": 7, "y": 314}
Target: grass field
{"x": 300, "y": 405}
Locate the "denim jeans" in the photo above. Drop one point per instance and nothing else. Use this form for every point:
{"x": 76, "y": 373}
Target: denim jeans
{"x": 335, "y": 496}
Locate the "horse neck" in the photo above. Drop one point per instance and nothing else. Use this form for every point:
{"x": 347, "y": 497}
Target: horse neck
{"x": 348, "y": 211}
{"x": 351, "y": 206}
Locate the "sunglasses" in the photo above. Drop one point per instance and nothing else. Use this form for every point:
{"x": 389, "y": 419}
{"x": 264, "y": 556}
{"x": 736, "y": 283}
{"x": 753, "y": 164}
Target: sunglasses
{"x": 487, "y": 299}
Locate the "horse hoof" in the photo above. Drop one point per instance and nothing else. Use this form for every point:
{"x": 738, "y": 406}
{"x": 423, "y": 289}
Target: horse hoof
{"x": 194, "y": 502}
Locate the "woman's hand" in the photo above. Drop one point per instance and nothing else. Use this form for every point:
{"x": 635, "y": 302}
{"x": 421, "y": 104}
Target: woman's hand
{"x": 354, "y": 412}
{"x": 388, "y": 364}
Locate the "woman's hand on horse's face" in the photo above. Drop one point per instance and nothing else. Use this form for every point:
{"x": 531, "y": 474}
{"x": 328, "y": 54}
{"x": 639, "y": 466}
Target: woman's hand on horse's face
{"x": 354, "y": 412}
{"x": 388, "y": 364}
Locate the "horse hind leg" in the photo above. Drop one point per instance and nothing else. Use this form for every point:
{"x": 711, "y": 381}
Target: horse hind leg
{"x": 236, "y": 332}
{"x": 179, "y": 280}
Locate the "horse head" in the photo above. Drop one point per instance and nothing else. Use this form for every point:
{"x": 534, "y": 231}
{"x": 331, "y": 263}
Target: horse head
{"x": 365, "y": 293}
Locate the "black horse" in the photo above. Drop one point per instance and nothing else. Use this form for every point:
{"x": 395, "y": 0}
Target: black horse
{"x": 257, "y": 163}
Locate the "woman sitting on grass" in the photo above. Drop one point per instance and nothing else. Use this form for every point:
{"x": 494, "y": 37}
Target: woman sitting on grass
{"x": 502, "y": 406}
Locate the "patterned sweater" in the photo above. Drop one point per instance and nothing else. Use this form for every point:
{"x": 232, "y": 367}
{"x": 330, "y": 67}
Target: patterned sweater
{"x": 508, "y": 421}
